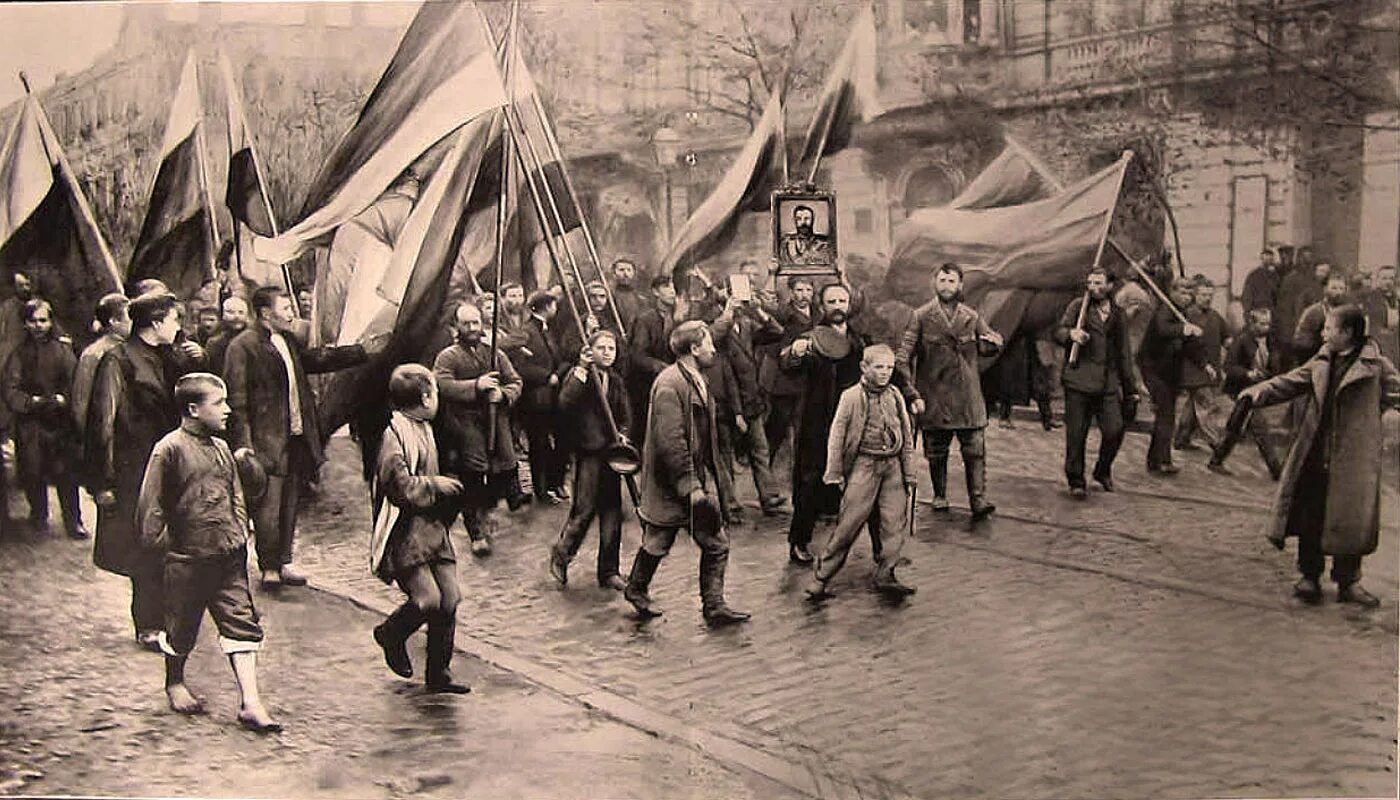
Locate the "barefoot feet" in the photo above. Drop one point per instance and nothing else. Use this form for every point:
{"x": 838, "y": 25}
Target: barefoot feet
{"x": 181, "y": 701}
{"x": 256, "y": 719}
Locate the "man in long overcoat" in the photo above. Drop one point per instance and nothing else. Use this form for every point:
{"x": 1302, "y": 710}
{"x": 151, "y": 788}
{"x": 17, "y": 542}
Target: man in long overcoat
{"x": 1331, "y": 489}
{"x": 938, "y": 358}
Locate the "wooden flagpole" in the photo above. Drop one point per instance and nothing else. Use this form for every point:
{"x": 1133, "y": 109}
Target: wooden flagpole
{"x": 1098, "y": 254}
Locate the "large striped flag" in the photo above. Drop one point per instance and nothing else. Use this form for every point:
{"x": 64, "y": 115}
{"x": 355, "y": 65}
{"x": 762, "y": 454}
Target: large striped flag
{"x": 246, "y": 193}
{"x": 745, "y": 186}
{"x": 443, "y": 75}
{"x": 1014, "y": 177}
{"x": 176, "y": 244}
{"x": 47, "y": 229}
{"x": 1041, "y": 245}
{"x": 850, "y": 94}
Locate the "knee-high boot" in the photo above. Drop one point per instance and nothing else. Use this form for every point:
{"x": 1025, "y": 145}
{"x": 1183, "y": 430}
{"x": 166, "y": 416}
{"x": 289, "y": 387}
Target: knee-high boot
{"x": 976, "y": 468}
{"x": 639, "y": 582}
{"x": 717, "y": 613}
{"x": 442, "y": 637}
{"x": 392, "y": 634}
{"x": 938, "y": 473}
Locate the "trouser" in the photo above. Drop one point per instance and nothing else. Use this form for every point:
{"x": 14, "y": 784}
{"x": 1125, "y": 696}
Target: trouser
{"x": 811, "y": 498}
{"x": 217, "y": 584}
{"x": 546, "y": 464}
{"x": 481, "y": 492}
{"x": 714, "y": 560}
{"x": 146, "y": 570}
{"x": 1346, "y": 570}
{"x": 1163, "y": 395}
{"x": 433, "y": 596}
{"x": 873, "y": 483}
{"x": 1081, "y": 410}
{"x": 972, "y": 443}
{"x": 1242, "y": 420}
{"x": 751, "y": 449}
{"x": 782, "y": 411}
{"x": 38, "y": 494}
{"x": 1197, "y": 409}
{"x": 639, "y": 393}
{"x": 597, "y": 495}
{"x": 275, "y": 518}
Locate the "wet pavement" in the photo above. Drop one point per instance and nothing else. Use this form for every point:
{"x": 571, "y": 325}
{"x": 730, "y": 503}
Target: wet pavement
{"x": 1137, "y": 644}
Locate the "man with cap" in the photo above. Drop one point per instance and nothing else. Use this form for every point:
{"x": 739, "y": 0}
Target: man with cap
{"x": 680, "y": 484}
{"x": 539, "y": 364}
{"x": 650, "y": 351}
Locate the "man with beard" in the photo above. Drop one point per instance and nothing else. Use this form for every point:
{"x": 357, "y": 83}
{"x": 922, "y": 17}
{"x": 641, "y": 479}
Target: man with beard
{"x": 784, "y": 390}
{"x": 650, "y": 350}
{"x": 1097, "y": 383}
{"x": 680, "y": 484}
{"x": 513, "y": 315}
{"x": 1307, "y": 335}
{"x": 939, "y": 358}
{"x": 804, "y": 245}
{"x": 827, "y": 361}
{"x": 539, "y": 364}
{"x": 234, "y": 321}
{"x": 629, "y": 301}
{"x": 1160, "y": 361}
{"x": 469, "y": 384}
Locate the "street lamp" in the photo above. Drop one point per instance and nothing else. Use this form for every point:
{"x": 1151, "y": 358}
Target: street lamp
{"x": 666, "y": 145}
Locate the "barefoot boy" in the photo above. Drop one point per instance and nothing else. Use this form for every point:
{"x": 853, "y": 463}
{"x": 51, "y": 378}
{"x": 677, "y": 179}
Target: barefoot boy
{"x": 192, "y": 506}
{"x": 870, "y": 455}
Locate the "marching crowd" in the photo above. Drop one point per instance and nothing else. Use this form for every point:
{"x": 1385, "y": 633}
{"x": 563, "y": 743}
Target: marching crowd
{"x": 195, "y": 443}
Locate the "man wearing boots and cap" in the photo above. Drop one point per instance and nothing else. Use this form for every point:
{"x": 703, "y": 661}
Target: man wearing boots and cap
{"x": 680, "y": 485}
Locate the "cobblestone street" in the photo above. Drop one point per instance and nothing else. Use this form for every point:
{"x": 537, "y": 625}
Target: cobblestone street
{"x": 1128, "y": 646}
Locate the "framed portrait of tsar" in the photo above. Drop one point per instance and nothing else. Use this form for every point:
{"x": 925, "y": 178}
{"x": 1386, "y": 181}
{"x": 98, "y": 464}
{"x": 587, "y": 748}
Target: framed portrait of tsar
{"x": 804, "y": 232}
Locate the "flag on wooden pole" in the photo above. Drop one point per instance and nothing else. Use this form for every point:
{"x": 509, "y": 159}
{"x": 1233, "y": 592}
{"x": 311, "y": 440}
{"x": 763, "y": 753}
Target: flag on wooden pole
{"x": 848, "y": 97}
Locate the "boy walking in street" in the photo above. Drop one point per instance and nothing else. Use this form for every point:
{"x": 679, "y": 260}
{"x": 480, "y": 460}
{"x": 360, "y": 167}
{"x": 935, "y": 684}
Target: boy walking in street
{"x": 597, "y": 489}
{"x": 870, "y": 456}
{"x": 192, "y": 507}
{"x": 410, "y": 546}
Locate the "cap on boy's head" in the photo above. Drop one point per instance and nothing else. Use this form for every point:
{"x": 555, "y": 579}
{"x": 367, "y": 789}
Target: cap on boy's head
{"x": 875, "y": 352}
{"x": 408, "y": 383}
{"x": 196, "y": 388}
{"x": 148, "y": 309}
{"x": 541, "y": 300}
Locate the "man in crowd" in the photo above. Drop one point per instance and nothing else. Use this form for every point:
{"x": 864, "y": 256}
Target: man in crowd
{"x": 938, "y": 357}
{"x": 234, "y": 322}
{"x": 650, "y": 350}
{"x": 1262, "y": 284}
{"x": 12, "y": 333}
{"x": 469, "y": 384}
{"x": 1097, "y": 382}
{"x": 539, "y": 364}
{"x": 274, "y": 417}
{"x": 742, "y": 328}
{"x": 1301, "y": 287}
{"x": 1307, "y": 335}
{"x": 114, "y": 323}
{"x": 629, "y": 300}
{"x": 1383, "y": 313}
{"x": 784, "y": 390}
{"x": 1252, "y": 358}
{"x": 1160, "y": 361}
{"x": 207, "y": 324}
{"x": 1200, "y": 370}
{"x": 680, "y": 486}
{"x": 1330, "y": 493}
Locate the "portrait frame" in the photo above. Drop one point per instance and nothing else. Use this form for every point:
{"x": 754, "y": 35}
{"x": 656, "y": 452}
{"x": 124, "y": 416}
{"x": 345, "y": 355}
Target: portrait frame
{"x": 822, "y": 203}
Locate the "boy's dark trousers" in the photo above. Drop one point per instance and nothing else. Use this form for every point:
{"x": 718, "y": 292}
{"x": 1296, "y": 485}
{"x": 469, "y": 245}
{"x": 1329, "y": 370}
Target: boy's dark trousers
{"x": 481, "y": 491}
{"x": 218, "y": 584}
{"x": 597, "y": 494}
{"x": 1081, "y": 409}
{"x": 1242, "y": 420}
{"x": 546, "y": 463}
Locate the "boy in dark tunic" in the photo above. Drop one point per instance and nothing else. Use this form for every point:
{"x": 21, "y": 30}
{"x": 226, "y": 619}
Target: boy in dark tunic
{"x": 192, "y": 508}
{"x": 410, "y": 545}
{"x": 38, "y": 381}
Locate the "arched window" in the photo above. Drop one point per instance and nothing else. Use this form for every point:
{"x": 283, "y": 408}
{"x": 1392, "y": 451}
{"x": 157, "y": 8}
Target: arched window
{"x": 926, "y": 187}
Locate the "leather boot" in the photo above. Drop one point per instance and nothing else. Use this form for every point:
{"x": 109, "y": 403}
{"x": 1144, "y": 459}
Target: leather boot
{"x": 938, "y": 473}
{"x": 976, "y": 468}
{"x": 442, "y": 636}
{"x": 717, "y": 613}
{"x": 393, "y": 633}
{"x": 643, "y": 568}
{"x": 72, "y": 516}
{"x": 38, "y": 496}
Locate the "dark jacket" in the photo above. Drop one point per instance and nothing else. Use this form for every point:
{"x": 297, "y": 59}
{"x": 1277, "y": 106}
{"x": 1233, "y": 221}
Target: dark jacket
{"x": 1105, "y": 364}
{"x": 536, "y": 361}
{"x": 191, "y": 500}
{"x": 741, "y": 338}
{"x": 1198, "y": 352}
{"x": 681, "y": 451}
{"x": 938, "y": 357}
{"x": 36, "y": 373}
{"x": 257, "y": 392}
{"x": 1239, "y": 362}
{"x": 630, "y": 305}
{"x": 1307, "y": 334}
{"x": 1160, "y": 352}
{"x": 771, "y": 377}
{"x": 580, "y": 404}
{"x": 650, "y": 345}
{"x": 132, "y": 407}
{"x": 823, "y": 380}
{"x": 216, "y": 352}
{"x": 1261, "y": 289}
{"x": 1299, "y": 289}
{"x": 461, "y": 421}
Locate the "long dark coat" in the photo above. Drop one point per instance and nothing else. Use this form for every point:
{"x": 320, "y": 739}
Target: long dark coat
{"x": 46, "y": 435}
{"x": 823, "y": 380}
{"x": 1352, "y": 522}
{"x": 132, "y": 407}
{"x": 461, "y": 423}
{"x": 938, "y": 357}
